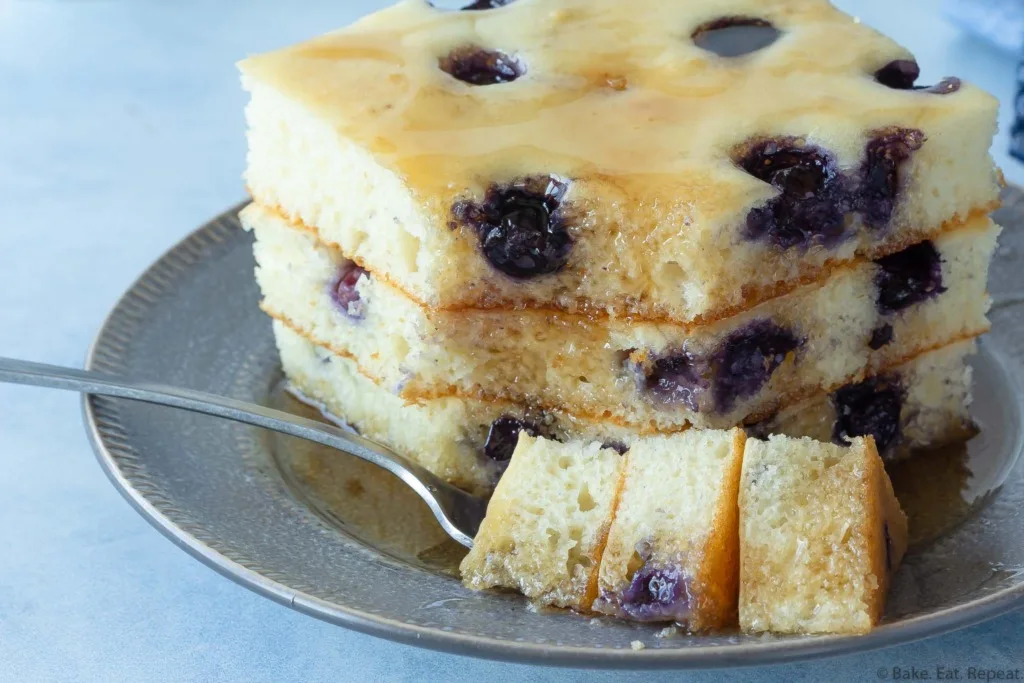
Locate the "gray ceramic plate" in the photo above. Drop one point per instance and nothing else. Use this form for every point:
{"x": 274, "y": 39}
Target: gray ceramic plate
{"x": 328, "y": 535}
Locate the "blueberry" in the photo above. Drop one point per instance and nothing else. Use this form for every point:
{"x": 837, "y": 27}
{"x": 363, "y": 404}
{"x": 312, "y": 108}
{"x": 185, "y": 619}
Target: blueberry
{"x": 521, "y": 227}
{"x": 523, "y": 243}
{"x": 811, "y": 205}
{"x": 503, "y": 436}
{"x": 880, "y": 173}
{"x": 344, "y": 292}
{"x": 871, "y": 407}
{"x": 947, "y": 86}
{"x": 880, "y": 336}
{"x": 746, "y": 360}
{"x": 676, "y": 379}
{"x": 616, "y": 446}
{"x": 796, "y": 171}
{"x": 477, "y": 66}
{"x": 899, "y": 74}
{"x": 761, "y": 429}
{"x": 735, "y": 36}
{"x": 909, "y": 277}
{"x": 657, "y": 594}
{"x": 487, "y": 4}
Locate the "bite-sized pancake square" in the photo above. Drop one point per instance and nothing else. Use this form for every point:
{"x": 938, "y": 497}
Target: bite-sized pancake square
{"x": 821, "y": 534}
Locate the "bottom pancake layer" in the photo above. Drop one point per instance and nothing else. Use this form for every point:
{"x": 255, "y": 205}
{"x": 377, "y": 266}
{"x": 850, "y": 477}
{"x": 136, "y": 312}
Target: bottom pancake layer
{"x": 921, "y": 403}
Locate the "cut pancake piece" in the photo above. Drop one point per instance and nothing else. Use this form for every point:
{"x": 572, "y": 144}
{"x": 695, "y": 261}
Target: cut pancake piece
{"x": 540, "y": 189}
{"x": 706, "y": 529}
{"x": 469, "y": 442}
{"x": 860, "y": 319}
{"x": 821, "y": 534}
{"x": 673, "y": 549}
{"x": 547, "y": 522}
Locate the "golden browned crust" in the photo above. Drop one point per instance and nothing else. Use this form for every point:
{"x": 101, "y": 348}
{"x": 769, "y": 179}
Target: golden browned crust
{"x": 411, "y": 394}
{"x": 336, "y": 350}
{"x": 883, "y": 511}
{"x": 800, "y": 396}
{"x": 587, "y": 601}
{"x": 871, "y": 488}
{"x": 752, "y": 296}
{"x": 415, "y": 396}
{"x": 888, "y": 516}
{"x": 717, "y": 584}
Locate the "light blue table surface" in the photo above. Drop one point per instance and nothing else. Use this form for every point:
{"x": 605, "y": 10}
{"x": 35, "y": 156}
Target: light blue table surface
{"x": 120, "y": 131}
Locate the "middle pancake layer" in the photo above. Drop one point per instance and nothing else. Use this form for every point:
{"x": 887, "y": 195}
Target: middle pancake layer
{"x": 863, "y": 318}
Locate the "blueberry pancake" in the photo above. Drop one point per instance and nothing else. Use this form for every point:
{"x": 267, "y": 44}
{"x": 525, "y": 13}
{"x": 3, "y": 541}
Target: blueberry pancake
{"x": 598, "y": 257}
{"x": 612, "y": 157}
{"x": 860, "y": 320}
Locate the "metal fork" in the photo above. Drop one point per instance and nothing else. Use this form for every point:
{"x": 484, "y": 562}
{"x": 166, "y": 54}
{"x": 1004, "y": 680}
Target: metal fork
{"x": 458, "y": 512}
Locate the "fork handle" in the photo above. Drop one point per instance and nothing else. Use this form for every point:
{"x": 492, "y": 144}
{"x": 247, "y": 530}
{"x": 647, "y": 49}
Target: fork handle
{"x": 428, "y": 486}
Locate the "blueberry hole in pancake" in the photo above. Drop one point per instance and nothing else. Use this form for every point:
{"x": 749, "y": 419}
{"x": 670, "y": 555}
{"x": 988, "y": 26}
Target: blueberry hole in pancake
{"x": 522, "y": 228}
{"x": 617, "y": 446}
{"x": 478, "y": 66}
{"x": 812, "y": 201}
{"x": 735, "y": 36}
{"x": 477, "y": 5}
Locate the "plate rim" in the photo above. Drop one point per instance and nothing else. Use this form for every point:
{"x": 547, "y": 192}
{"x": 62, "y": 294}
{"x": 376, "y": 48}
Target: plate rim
{"x": 770, "y": 651}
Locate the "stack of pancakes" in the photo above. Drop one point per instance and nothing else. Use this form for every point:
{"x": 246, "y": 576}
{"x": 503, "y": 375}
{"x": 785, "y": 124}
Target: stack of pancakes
{"x": 588, "y": 219}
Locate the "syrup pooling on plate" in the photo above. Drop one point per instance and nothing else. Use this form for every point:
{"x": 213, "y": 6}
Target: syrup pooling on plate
{"x": 362, "y": 500}
{"x": 938, "y": 490}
